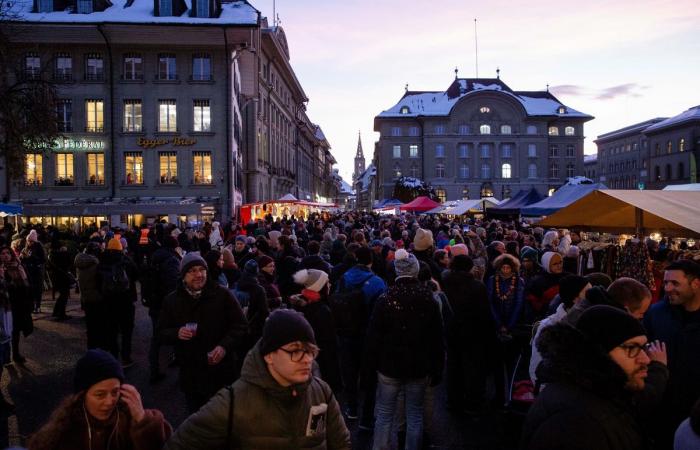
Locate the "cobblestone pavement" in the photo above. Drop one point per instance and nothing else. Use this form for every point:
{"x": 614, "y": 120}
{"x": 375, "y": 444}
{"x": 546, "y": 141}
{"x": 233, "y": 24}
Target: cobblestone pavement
{"x": 38, "y": 386}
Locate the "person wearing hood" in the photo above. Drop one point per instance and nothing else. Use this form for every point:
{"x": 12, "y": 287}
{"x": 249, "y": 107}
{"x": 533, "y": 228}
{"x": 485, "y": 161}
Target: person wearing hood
{"x": 256, "y": 310}
{"x": 215, "y": 262}
{"x": 313, "y": 303}
{"x": 529, "y": 266}
{"x": 267, "y": 279}
{"x": 544, "y": 287}
{"x": 277, "y": 404}
{"x": 216, "y": 240}
{"x": 33, "y": 258}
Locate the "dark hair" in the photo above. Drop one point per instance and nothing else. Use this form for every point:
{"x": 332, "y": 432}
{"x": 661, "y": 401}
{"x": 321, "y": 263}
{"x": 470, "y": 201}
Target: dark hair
{"x": 424, "y": 272}
{"x": 313, "y": 247}
{"x": 462, "y": 262}
{"x": 364, "y": 255}
{"x": 628, "y": 292}
{"x": 689, "y": 268}
{"x": 438, "y": 255}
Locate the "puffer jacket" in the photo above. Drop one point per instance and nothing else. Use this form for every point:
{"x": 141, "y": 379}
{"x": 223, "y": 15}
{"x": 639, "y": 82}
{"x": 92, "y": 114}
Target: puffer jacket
{"x": 88, "y": 280}
{"x": 266, "y": 415}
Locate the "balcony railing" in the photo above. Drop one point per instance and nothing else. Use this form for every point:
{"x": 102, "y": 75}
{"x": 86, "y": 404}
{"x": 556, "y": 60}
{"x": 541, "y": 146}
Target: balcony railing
{"x": 62, "y": 76}
{"x": 94, "y": 76}
{"x": 95, "y": 129}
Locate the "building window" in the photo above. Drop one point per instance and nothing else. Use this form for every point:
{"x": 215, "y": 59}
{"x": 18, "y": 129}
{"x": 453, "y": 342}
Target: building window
{"x": 202, "y": 115}
{"x": 463, "y": 151}
{"x": 414, "y": 171}
{"x": 554, "y": 170}
{"x": 464, "y": 171}
{"x": 64, "y": 169}
{"x": 681, "y": 171}
{"x": 570, "y": 151}
{"x": 553, "y": 131}
{"x": 85, "y": 7}
{"x": 396, "y": 131}
{"x": 201, "y": 67}
{"x": 532, "y": 170}
{"x": 413, "y": 151}
{"x": 95, "y": 168}
{"x": 405, "y": 110}
{"x": 439, "y": 170}
{"x": 133, "y": 118}
{"x": 167, "y": 66}
{"x": 94, "y": 67}
{"x": 64, "y": 114}
{"x": 440, "y": 129}
{"x": 657, "y": 173}
{"x": 94, "y": 116}
{"x": 505, "y": 171}
{"x": 657, "y": 149}
{"x": 669, "y": 147}
{"x": 561, "y": 110}
{"x": 133, "y": 67}
{"x": 569, "y": 131}
{"x": 531, "y": 129}
{"x": 397, "y": 171}
{"x": 63, "y": 71}
{"x": 439, "y": 151}
{"x": 34, "y": 169}
{"x": 397, "y": 151}
{"x": 463, "y": 130}
{"x": 133, "y": 167}
{"x": 485, "y": 110}
{"x": 32, "y": 66}
{"x": 465, "y": 193}
{"x": 681, "y": 145}
{"x": 669, "y": 173}
{"x": 167, "y": 116}
{"x": 506, "y": 151}
{"x": 202, "y": 168}
{"x": 45, "y": 6}
{"x": 532, "y": 150}
{"x": 413, "y": 131}
{"x": 440, "y": 194}
{"x": 485, "y": 129}
{"x": 202, "y": 8}
{"x": 570, "y": 170}
{"x": 485, "y": 151}
{"x": 553, "y": 150}
{"x": 506, "y": 129}
{"x": 485, "y": 171}
{"x": 167, "y": 164}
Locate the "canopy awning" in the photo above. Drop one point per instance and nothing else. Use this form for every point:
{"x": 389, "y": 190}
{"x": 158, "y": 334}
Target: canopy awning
{"x": 673, "y": 213}
{"x": 10, "y": 209}
{"x": 420, "y": 204}
{"x": 464, "y": 206}
{"x": 289, "y": 198}
{"x": 564, "y": 196}
{"x": 520, "y": 200}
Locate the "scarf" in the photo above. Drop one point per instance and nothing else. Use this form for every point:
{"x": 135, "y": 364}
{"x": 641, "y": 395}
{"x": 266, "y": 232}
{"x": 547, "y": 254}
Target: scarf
{"x": 311, "y": 296}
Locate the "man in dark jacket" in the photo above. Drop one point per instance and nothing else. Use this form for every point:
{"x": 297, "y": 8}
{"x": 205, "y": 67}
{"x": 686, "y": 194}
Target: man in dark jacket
{"x": 676, "y": 321}
{"x": 207, "y": 326}
{"x": 313, "y": 260}
{"x": 277, "y": 404}
{"x": 470, "y": 335}
{"x": 591, "y": 374}
{"x": 241, "y": 252}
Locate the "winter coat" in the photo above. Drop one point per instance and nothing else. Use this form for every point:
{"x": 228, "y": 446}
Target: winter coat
{"x": 404, "y": 338}
{"x": 585, "y": 405}
{"x": 540, "y": 292}
{"x": 315, "y": 262}
{"x": 427, "y": 257}
{"x": 287, "y": 265}
{"x": 109, "y": 259}
{"x": 166, "y": 263}
{"x": 258, "y": 310}
{"x": 88, "y": 278}
{"x": 506, "y": 313}
{"x": 266, "y": 415}
{"x": 471, "y": 320}
{"x": 220, "y": 321}
{"x": 272, "y": 292}
{"x": 372, "y": 287}
{"x": 34, "y": 258}
{"x": 17, "y": 286}
{"x": 60, "y": 269}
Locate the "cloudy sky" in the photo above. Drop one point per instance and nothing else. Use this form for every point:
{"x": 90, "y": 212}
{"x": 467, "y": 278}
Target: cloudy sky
{"x": 622, "y": 62}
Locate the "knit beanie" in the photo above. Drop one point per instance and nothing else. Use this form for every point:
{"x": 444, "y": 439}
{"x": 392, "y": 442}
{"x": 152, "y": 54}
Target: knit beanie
{"x": 546, "y": 259}
{"x": 32, "y": 236}
{"x": 405, "y": 264}
{"x": 264, "y": 261}
{"x": 608, "y": 326}
{"x": 274, "y": 238}
{"x": 97, "y": 365}
{"x": 423, "y": 239}
{"x": 251, "y": 267}
{"x": 241, "y": 238}
{"x": 459, "y": 249}
{"x": 114, "y": 244}
{"x": 528, "y": 253}
{"x": 190, "y": 260}
{"x": 282, "y": 327}
{"x": 170, "y": 242}
{"x": 570, "y": 286}
{"x": 599, "y": 279}
{"x": 311, "y": 279}
{"x": 462, "y": 262}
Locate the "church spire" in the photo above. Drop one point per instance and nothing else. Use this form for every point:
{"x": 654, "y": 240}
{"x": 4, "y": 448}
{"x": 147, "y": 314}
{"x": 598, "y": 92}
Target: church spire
{"x": 359, "y": 159}
{"x": 359, "y": 146}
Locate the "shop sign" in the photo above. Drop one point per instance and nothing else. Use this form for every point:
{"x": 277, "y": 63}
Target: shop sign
{"x": 67, "y": 144}
{"x": 157, "y": 142}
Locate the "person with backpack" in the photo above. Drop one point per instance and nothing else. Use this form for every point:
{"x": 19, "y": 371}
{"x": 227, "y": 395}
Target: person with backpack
{"x": 118, "y": 274}
{"x": 253, "y": 299}
{"x": 96, "y": 313}
{"x": 352, "y": 304}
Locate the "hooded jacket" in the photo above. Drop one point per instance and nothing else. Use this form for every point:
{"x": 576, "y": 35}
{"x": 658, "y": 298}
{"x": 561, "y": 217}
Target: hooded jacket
{"x": 86, "y": 270}
{"x": 266, "y": 415}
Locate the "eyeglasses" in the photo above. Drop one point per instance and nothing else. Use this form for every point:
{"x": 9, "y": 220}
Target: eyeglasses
{"x": 633, "y": 350}
{"x": 297, "y": 355}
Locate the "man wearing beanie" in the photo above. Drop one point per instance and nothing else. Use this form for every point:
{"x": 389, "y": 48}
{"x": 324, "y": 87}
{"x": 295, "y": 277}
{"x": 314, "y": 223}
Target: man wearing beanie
{"x": 277, "y": 403}
{"x": 594, "y": 374}
{"x": 205, "y": 323}
{"x": 405, "y": 349}
{"x": 423, "y": 246}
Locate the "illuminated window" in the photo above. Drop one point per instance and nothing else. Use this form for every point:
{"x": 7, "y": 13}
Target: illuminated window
{"x": 397, "y": 151}
{"x": 167, "y": 164}
{"x": 95, "y": 168}
{"x": 485, "y": 129}
{"x": 94, "y": 116}
{"x": 553, "y": 131}
{"x": 485, "y": 109}
{"x": 64, "y": 169}
{"x": 440, "y": 171}
{"x": 133, "y": 167}
{"x": 133, "y": 67}
{"x": 202, "y": 168}
{"x": 133, "y": 117}
{"x": 569, "y": 131}
{"x": 506, "y": 129}
{"x": 34, "y": 167}
{"x": 202, "y": 115}
{"x": 167, "y": 116}
{"x": 561, "y": 110}
{"x": 405, "y": 110}
{"x": 669, "y": 147}
{"x": 681, "y": 145}
{"x": 441, "y": 195}
{"x": 505, "y": 171}
{"x": 413, "y": 151}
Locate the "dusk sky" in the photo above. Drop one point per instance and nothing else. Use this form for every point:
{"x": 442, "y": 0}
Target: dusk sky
{"x": 623, "y": 62}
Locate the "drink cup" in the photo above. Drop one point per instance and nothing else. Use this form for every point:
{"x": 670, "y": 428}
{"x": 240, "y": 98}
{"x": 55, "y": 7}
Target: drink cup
{"x": 192, "y": 326}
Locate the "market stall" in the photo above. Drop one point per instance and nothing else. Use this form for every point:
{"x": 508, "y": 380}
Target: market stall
{"x": 286, "y": 206}
{"x": 512, "y": 206}
{"x": 474, "y": 206}
{"x": 11, "y": 210}
{"x": 561, "y": 198}
{"x": 420, "y": 204}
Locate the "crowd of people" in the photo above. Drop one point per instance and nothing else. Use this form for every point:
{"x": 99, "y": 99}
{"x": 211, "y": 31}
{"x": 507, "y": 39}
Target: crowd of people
{"x": 285, "y": 329}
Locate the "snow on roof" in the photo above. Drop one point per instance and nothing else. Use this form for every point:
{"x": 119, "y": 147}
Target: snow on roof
{"x": 141, "y": 11}
{"x": 689, "y": 115}
{"x": 366, "y": 177}
{"x": 319, "y": 134}
{"x": 439, "y": 103}
{"x": 590, "y": 158}
{"x": 345, "y": 187}
{"x": 630, "y": 129}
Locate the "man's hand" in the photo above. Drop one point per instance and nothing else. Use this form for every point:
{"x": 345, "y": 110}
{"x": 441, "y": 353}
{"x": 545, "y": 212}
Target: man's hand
{"x": 657, "y": 352}
{"x": 132, "y": 399}
{"x": 215, "y": 356}
{"x": 185, "y": 334}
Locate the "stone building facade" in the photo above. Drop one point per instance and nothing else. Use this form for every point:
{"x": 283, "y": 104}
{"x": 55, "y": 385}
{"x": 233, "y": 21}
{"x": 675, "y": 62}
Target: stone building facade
{"x": 479, "y": 138}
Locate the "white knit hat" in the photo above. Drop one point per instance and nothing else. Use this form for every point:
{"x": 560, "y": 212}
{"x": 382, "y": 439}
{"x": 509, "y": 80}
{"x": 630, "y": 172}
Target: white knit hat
{"x": 311, "y": 279}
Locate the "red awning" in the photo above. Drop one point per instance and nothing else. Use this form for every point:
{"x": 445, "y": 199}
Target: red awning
{"x": 420, "y": 204}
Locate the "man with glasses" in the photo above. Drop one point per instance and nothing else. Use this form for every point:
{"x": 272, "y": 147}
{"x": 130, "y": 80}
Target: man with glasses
{"x": 595, "y": 374}
{"x": 276, "y": 404}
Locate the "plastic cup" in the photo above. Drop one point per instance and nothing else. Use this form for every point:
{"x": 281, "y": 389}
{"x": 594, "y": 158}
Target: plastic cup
{"x": 192, "y": 326}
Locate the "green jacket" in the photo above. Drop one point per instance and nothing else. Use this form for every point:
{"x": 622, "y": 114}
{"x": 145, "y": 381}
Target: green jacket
{"x": 266, "y": 415}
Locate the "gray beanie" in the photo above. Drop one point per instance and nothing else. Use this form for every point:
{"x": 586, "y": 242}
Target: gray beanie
{"x": 190, "y": 260}
{"x": 405, "y": 264}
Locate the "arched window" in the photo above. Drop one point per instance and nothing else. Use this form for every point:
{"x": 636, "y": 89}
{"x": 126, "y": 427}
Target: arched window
{"x": 554, "y": 170}
{"x": 669, "y": 147}
{"x": 531, "y": 129}
{"x": 506, "y": 129}
{"x": 532, "y": 170}
{"x": 463, "y": 129}
{"x": 569, "y": 131}
{"x": 668, "y": 172}
{"x": 439, "y": 170}
{"x": 553, "y": 131}
{"x": 485, "y": 171}
{"x": 570, "y": 170}
{"x": 464, "y": 171}
{"x": 405, "y": 110}
{"x": 681, "y": 145}
{"x": 485, "y": 129}
{"x": 505, "y": 171}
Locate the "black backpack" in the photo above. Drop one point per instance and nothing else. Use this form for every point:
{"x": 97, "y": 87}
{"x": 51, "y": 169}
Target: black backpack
{"x": 348, "y": 308}
{"x": 115, "y": 281}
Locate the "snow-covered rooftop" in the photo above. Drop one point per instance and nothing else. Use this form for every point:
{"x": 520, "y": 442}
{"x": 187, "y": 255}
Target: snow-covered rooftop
{"x": 366, "y": 177}
{"x": 345, "y": 187}
{"x": 689, "y": 115}
{"x": 439, "y": 103}
{"x": 590, "y": 158}
{"x": 630, "y": 129}
{"x": 141, "y": 11}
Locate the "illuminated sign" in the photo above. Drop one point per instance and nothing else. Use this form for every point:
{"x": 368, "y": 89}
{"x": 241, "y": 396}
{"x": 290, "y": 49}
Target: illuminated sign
{"x": 156, "y": 142}
{"x": 67, "y": 144}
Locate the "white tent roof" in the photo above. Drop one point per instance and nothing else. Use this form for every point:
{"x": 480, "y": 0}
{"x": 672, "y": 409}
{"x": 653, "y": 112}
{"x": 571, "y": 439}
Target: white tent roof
{"x": 683, "y": 187}
{"x": 463, "y": 206}
{"x": 289, "y": 197}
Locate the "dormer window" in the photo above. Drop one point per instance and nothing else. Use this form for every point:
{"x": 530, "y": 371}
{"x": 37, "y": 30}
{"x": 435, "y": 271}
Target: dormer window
{"x": 485, "y": 109}
{"x": 201, "y": 8}
{"x": 405, "y": 110}
{"x": 561, "y": 110}
{"x": 45, "y": 6}
{"x": 85, "y": 6}
{"x": 165, "y": 7}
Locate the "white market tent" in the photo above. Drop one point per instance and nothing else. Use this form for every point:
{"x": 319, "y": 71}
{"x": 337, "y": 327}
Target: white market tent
{"x": 464, "y": 206}
{"x": 289, "y": 198}
{"x": 442, "y": 207}
{"x": 672, "y": 213}
{"x": 683, "y": 187}
{"x": 561, "y": 198}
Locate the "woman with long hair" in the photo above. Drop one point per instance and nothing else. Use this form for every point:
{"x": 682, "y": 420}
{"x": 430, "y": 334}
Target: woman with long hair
{"x": 17, "y": 286}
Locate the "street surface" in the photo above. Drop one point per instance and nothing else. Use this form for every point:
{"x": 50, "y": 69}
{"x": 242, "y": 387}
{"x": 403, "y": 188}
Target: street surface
{"x": 38, "y": 386}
